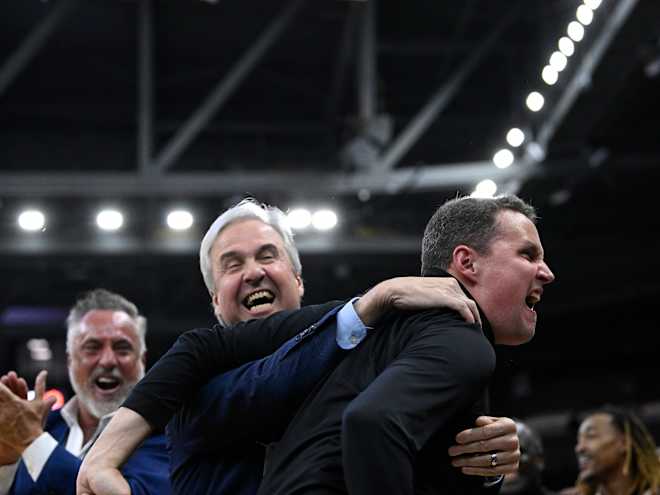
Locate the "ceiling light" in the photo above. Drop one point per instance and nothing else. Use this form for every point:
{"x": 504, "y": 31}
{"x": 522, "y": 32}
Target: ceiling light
{"x": 31, "y": 220}
{"x": 515, "y": 137}
{"x": 592, "y": 4}
{"x": 324, "y": 219}
{"x": 503, "y": 158}
{"x": 549, "y": 75}
{"x": 558, "y": 61}
{"x": 575, "y": 31}
{"x": 584, "y": 14}
{"x": 299, "y": 218}
{"x": 566, "y": 46}
{"x": 485, "y": 189}
{"x": 535, "y": 101}
{"x": 180, "y": 220}
{"x": 109, "y": 220}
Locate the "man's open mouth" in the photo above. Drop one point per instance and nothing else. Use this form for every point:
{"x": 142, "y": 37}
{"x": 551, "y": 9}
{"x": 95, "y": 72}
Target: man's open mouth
{"x": 107, "y": 383}
{"x": 258, "y": 298}
{"x": 531, "y": 300}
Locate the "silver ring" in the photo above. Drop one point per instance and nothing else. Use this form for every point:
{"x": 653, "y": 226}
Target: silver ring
{"x": 493, "y": 460}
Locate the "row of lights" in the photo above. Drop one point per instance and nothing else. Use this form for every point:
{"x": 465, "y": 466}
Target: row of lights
{"x": 180, "y": 220}
{"x": 557, "y": 62}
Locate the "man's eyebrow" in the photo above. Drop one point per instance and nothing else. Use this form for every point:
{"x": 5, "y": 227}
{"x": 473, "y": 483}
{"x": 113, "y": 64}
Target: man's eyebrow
{"x": 532, "y": 247}
{"x": 268, "y": 247}
{"x": 229, "y": 255}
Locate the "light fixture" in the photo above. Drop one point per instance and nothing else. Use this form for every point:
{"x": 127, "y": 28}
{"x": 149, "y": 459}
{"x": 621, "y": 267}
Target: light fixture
{"x": 593, "y": 4}
{"x": 558, "y": 61}
{"x": 566, "y": 46}
{"x": 503, "y": 158}
{"x": 575, "y": 31}
{"x": 300, "y": 218}
{"x": 179, "y": 220}
{"x": 549, "y": 75}
{"x": 515, "y": 137}
{"x": 324, "y": 219}
{"x": 31, "y": 220}
{"x": 485, "y": 189}
{"x": 109, "y": 220}
{"x": 584, "y": 14}
{"x": 535, "y": 101}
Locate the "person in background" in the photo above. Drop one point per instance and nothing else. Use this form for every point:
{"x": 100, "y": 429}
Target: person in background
{"x": 616, "y": 455}
{"x": 528, "y": 480}
{"x": 41, "y": 451}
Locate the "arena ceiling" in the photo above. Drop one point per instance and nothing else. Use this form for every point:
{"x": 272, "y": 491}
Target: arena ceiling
{"x": 379, "y": 109}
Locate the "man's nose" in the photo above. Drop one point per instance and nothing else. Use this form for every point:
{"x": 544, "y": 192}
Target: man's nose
{"x": 254, "y": 272}
{"x": 108, "y": 358}
{"x": 545, "y": 273}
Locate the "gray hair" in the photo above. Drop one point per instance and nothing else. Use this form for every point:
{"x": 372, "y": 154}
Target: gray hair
{"x": 248, "y": 208}
{"x": 469, "y": 221}
{"x": 103, "y": 299}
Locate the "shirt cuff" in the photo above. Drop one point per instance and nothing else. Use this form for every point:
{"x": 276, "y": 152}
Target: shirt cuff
{"x": 350, "y": 329}
{"x": 492, "y": 480}
{"x": 7, "y": 473}
{"x": 37, "y": 454}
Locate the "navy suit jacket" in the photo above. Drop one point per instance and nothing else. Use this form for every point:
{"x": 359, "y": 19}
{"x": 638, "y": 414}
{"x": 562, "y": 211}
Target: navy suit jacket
{"x": 146, "y": 470}
{"x": 217, "y": 441}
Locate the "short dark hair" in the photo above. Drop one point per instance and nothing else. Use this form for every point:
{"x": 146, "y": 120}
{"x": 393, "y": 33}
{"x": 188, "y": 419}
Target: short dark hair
{"x": 103, "y": 299}
{"x": 467, "y": 220}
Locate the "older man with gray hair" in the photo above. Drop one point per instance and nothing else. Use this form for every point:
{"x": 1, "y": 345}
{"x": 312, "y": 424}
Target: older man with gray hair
{"x": 106, "y": 353}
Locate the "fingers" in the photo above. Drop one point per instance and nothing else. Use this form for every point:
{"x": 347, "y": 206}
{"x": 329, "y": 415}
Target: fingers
{"x": 482, "y": 464}
{"x": 487, "y": 427}
{"x": 40, "y": 384}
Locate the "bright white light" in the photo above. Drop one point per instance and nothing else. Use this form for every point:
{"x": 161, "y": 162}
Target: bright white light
{"x": 558, "y": 61}
{"x": 592, "y": 4}
{"x": 109, "y": 220}
{"x": 300, "y": 218}
{"x": 575, "y": 31}
{"x": 549, "y": 75}
{"x": 31, "y": 220}
{"x": 515, "y": 137}
{"x": 584, "y": 14}
{"x": 566, "y": 46}
{"x": 535, "y": 101}
{"x": 503, "y": 158}
{"x": 485, "y": 189}
{"x": 324, "y": 219}
{"x": 179, "y": 220}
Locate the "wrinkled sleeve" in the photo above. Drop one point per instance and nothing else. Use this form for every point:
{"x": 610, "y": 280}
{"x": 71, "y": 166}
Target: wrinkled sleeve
{"x": 200, "y": 354}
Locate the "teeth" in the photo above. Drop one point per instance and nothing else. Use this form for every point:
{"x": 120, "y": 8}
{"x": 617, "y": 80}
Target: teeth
{"x": 107, "y": 380}
{"x": 259, "y": 298}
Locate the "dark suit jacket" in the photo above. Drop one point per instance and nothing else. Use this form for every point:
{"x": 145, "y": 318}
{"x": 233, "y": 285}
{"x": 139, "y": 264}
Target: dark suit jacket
{"x": 146, "y": 470}
{"x": 383, "y": 420}
{"x": 217, "y": 441}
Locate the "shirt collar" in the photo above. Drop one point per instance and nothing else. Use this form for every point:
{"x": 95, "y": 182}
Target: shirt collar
{"x": 70, "y": 412}
{"x": 485, "y": 324}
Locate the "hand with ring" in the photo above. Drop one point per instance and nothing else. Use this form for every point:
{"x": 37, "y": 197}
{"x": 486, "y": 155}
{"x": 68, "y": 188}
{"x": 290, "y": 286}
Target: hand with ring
{"x": 491, "y": 448}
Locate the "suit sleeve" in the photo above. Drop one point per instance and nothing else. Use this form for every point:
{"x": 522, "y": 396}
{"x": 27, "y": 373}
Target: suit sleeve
{"x": 147, "y": 470}
{"x": 57, "y": 476}
{"x": 257, "y": 400}
{"x": 440, "y": 371}
{"x": 200, "y": 354}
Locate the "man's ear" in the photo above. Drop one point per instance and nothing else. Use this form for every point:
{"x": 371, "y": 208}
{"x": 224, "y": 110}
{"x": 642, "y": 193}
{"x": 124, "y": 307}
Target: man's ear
{"x": 301, "y": 286}
{"x": 463, "y": 262}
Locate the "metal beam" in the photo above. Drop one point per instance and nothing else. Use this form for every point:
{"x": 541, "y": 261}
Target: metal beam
{"x": 145, "y": 115}
{"x": 582, "y": 76}
{"x": 118, "y": 184}
{"x": 437, "y": 103}
{"x": 224, "y": 89}
{"x": 343, "y": 57}
{"x": 366, "y": 64}
{"x": 33, "y": 43}
{"x": 127, "y": 244}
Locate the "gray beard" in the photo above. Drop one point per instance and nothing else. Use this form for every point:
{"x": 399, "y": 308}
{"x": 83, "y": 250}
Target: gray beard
{"x": 100, "y": 408}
